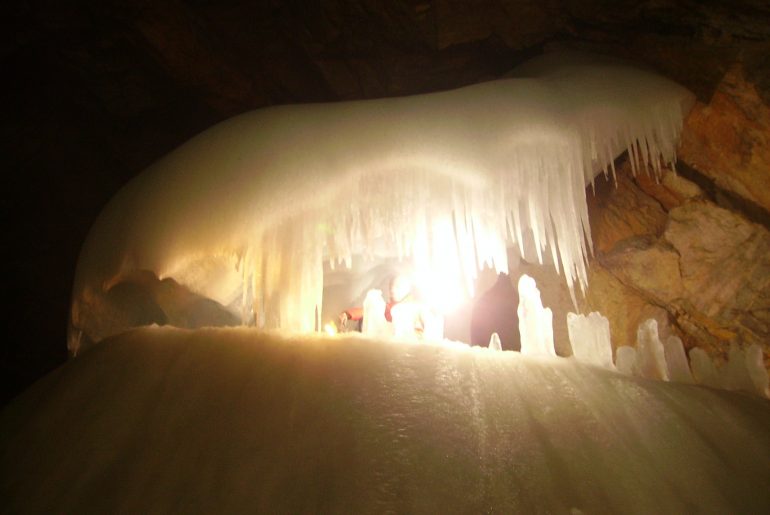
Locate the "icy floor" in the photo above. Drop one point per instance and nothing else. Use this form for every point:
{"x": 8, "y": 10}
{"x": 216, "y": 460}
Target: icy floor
{"x": 237, "y": 421}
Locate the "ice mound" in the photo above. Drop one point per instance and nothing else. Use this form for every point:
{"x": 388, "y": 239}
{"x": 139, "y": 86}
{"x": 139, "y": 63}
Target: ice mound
{"x": 247, "y": 213}
{"x": 162, "y": 420}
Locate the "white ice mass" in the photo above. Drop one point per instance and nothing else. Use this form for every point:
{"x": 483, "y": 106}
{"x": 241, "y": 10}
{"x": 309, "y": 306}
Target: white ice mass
{"x": 249, "y": 212}
{"x": 163, "y": 420}
{"x": 589, "y": 336}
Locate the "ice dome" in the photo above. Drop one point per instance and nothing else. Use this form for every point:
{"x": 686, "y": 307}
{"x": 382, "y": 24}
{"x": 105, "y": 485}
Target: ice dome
{"x": 242, "y": 220}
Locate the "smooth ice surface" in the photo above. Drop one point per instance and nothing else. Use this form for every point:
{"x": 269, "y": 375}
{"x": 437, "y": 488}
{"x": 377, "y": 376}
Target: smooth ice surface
{"x": 248, "y": 212}
{"x": 589, "y": 336}
{"x": 650, "y": 356}
{"x": 535, "y": 321}
{"x": 238, "y": 421}
{"x": 676, "y": 360}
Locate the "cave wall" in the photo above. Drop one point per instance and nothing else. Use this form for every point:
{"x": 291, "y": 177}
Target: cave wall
{"x": 96, "y": 91}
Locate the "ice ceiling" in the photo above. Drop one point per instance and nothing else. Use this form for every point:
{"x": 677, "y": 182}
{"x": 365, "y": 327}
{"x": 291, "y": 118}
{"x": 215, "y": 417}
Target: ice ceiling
{"x": 247, "y": 212}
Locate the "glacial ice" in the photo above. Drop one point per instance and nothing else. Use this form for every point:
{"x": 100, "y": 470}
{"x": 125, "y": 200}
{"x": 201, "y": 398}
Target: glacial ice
{"x": 249, "y": 212}
{"x": 162, "y": 420}
{"x": 676, "y": 360}
{"x": 745, "y": 370}
{"x": 650, "y": 356}
{"x": 625, "y": 360}
{"x": 703, "y": 369}
{"x": 373, "y": 323}
{"x": 495, "y": 343}
{"x": 589, "y": 336}
{"x": 535, "y": 321}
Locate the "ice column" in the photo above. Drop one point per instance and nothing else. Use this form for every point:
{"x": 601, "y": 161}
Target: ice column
{"x": 757, "y": 370}
{"x": 590, "y": 338}
{"x": 703, "y": 368}
{"x": 626, "y": 360}
{"x": 494, "y": 342}
{"x": 650, "y": 356}
{"x": 374, "y": 323}
{"x": 676, "y": 361}
{"x": 745, "y": 371}
{"x": 535, "y": 322}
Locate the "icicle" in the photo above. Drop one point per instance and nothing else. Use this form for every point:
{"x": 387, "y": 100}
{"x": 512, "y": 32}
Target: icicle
{"x": 291, "y": 187}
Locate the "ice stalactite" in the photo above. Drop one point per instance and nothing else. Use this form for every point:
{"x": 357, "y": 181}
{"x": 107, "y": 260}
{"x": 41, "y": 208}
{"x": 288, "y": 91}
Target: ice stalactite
{"x": 248, "y": 212}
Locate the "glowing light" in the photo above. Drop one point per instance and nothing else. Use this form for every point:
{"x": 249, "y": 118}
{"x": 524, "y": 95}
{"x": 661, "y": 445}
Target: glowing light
{"x": 330, "y": 329}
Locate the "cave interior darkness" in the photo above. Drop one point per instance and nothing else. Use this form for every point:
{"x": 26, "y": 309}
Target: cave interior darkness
{"x": 96, "y": 91}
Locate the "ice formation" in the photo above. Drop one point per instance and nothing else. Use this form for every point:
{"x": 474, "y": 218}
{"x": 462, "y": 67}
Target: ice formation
{"x": 373, "y": 322}
{"x": 589, "y": 336}
{"x": 745, "y": 370}
{"x": 161, "y": 420}
{"x": 676, "y": 360}
{"x": 703, "y": 369}
{"x": 625, "y": 360}
{"x": 535, "y": 321}
{"x": 650, "y": 357}
{"x": 248, "y": 212}
{"x": 495, "y": 343}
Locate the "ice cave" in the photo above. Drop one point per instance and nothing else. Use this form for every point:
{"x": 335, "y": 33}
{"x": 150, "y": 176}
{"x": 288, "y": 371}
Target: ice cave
{"x": 203, "y": 380}
{"x": 249, "y": 213}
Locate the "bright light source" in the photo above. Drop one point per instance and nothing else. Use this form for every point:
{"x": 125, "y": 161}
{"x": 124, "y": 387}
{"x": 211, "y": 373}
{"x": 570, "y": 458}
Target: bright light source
{"x": 330, "y": 329}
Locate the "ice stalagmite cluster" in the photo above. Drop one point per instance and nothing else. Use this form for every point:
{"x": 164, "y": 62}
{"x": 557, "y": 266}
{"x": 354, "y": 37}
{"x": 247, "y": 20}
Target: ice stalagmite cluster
{"x": 248, "y": 212}
{"x": 652, "y": 359}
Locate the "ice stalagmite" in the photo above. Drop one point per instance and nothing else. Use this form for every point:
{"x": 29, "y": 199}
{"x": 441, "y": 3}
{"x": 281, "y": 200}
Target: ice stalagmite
{"x": 535, "y": 321}
{"x": 248, "y": 212}
{"x": 676, "y": 360}
{"x": 625, "y": 361}
{"x": 494, "y": 342}
{"x": 703, "y": 369}
{"x": 589, "y": 336}
{"x": 651, "y": 360}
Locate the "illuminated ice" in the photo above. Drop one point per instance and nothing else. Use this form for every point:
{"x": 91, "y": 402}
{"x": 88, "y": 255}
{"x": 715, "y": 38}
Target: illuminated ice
{"x": 650, "y": 357}
{"x": 535, "y": 321}
{"x": 625, "y": 360}
{"x": 161, "y": 420}
{"x": 495, "y": 343}
{"x": 373, "y": 322}
{"x": 745, "y": 370}
{"x": 703, "y": 369}
{"x": 676, "y": 360}
{"x": 247, "y": 212}
{"x": 590, "y": 338}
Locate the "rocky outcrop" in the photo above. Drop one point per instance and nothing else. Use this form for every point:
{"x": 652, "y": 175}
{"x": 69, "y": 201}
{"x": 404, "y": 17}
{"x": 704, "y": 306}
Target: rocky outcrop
{"x": 665, "y": 251}
{"x": 141, "y": 298}
{"x": 728, "y": 139}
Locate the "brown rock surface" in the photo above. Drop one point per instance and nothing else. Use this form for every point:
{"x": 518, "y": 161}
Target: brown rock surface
{"x": 710, "y": 270}
{"x": 608, "y": 208}
{"x": 728, "y": 139}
